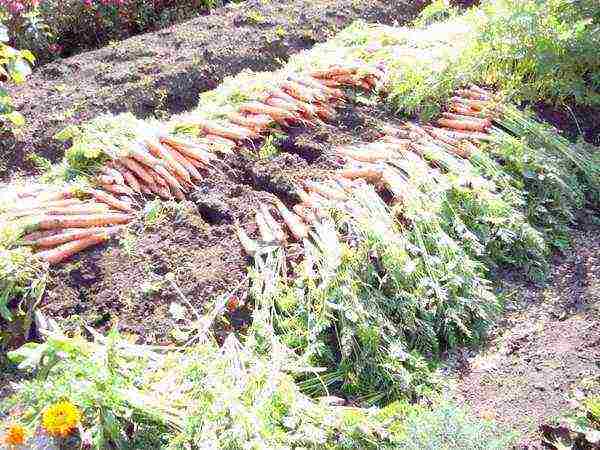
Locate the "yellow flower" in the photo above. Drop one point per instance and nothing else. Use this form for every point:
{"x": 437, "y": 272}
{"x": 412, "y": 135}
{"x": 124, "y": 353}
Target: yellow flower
{"x": 61, "y": 419}
{"x": 15, "y": 435}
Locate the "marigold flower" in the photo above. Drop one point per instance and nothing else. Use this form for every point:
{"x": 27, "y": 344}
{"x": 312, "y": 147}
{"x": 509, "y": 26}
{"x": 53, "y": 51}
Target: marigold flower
{"x": 61, "y": 419}
{"x": 15, "y": 435}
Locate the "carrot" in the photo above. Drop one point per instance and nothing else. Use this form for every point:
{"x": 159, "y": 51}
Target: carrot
{"x": 31, "y": 206}
{"x": 278, "y": 102}
{"x": 332, "y": 71}
{"x": 303, "y": 93}
{"x": 249, "y": 245}
{"x": 65, "y": 251}
{"x": 105, "y": 179}
{"x": 281, "y": 116}
{"x": 119, "y": 189}
{"x": 248, "y": 121}
{"x": 368, "y": 173}
{"x": 109, "y": 200}
{"x": 189, "y": 166}
{"x": 192, "y": 151}
{"x": 485, "y": 123}
{"x": 129, "y": 177}
{"x": 293, "y": 222}
{"x": 325, "y": 191}
{"x": 325, "y": 112}
{"x": 470, "y": 135}
{"x": 145, "y": 189}
{"x": 72, "y": 234}
{"x": 86, "y": 208}
{"x": 164, "y": 175}
{"x": 441, "y": 135}
{"x": 161, "y": 191}
{"x": 138, "y": 169}
{"x": 111, "y": 171}
{"x": 221, "y": 140}
{"x": 471, "y": 94}
{"x": 463, "y": 109}
{"x": 477, "y": 105}
{"x": 229, "y": 131}
{"x": 178, "y": 194}
{"x": 479, "y": 90}
{"x": 62, "y": 194}
{"x": 165, "y": 155}
{"x": 331, "y": 93}
{"x": 330, "y": 83}
{"x": 363, "y": 156}
{"x": 461, "y": 125}
{"x": 140, "y": 154}
{"x": 81, "y": 221}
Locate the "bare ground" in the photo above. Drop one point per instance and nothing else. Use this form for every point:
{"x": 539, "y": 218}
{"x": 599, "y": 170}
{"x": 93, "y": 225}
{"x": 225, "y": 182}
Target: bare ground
{"x": 546, "y": 347}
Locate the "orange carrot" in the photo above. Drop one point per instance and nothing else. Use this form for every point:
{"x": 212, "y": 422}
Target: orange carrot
{"x": 110, "y": 170}
{"x": 368, "y": 173}
{"x": 138, "y": 169}
{"x": 85, "y": 208}
{"x": 161, "y": 191}
{"x": 331, "y": 93}
{"x": 165, "y": 155}
{"x": 71, "y": 234}
{"x": 119, "y": 189}
{"x": 109, "y": 200}
{"x": 129, "y": 177}
{"x": 293, "y": 222}
{"x": 485, "y": 123}
{"x": 325, "y": 191}
{"x": 461, "y": 125}
{"x": 197, "y": 152}
{"x": 140, "y": 154}
{"x": 65, "y": 251}
{"x": 325, "y": 112}
{"x": 249, "y": 121}
{"x": 171, "y": 181}
{"x": 332, "y": 71}
{"x": 471, "y": 94}
{"x": 477, "y": 105}
{"x": 145, "y": 189}
{"x": 229, "y": 130}
{"x": 471, "y": 135}
{"x": 221, "y": 140}
{"x": 281, "y": 116}
{"x": 81, "y": 221}
{"x": 303, "y": 93}
{"x": 189, "y": 166}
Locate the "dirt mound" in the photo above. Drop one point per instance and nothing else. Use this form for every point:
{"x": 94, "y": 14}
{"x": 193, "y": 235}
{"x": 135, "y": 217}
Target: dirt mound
{"x": 163, "y": 72}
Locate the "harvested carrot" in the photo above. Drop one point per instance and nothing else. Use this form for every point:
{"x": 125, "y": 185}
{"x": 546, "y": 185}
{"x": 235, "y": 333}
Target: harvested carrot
{"x": 303, "y": 93}
{"x": 140, "y": 154}
{"x": 325, "y": 112}
{"x": 250, "y": 121}
{"x": 141, "y": 171}
{"x": 331, "y": 93}
{"x": 485, "y": 123}
{"x": 171, "y": 181}
{"x": 477, "y": 105}
{"x": 325, "y": 191}
{"x": 281, "y": 116}
{"x": 193, "y": 151}
{"x": 163, "y": 153}
{"x": 189, "y": 166}
{"x": 372, "y": 174}
{"x": 62, "y": 194}
{"x": 471, "y": 94}
{"x": 81, "y": 221}
{"x": 105, "y": 179}
{"x": 65, "y": 251}
{"x": 119, "y": 189}
{"x": 145, "y": 189}
{"x": 440, "y": 134}
{"x": 109, "y": 200}
{"x": 471, "y": 135}
{"x": 293, "y": 222}
{"x": 229, "y": 131}
{"x": 468, "y": 125}
{"x": 110, "y": 170}
{"x": 71, "y": 234}
{"x": 221, "y": 140}
{"x": 332, "y": 71}
{"x": 130, "y": 179}
{"x": 272, "y": 223}
{"x": 161, "y": 191}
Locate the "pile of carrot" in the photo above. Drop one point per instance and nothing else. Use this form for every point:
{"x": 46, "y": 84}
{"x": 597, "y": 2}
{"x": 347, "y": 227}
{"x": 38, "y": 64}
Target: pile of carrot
{"x": 59, "y": 223}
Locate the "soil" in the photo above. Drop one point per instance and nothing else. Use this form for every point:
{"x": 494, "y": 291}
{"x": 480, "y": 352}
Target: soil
{"x": 163, "y": 72}
{"x": 573, "y": 120}
{"x": 544, "y": 351}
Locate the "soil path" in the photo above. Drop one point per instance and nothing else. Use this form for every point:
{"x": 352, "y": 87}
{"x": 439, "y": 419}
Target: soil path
{"x": 545, "y": 348}
{"x": 163, "y": 72}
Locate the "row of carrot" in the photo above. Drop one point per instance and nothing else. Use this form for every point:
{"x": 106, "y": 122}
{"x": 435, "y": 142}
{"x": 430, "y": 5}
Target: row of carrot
{"x": 458, "y": 133}
{"x": 59, "y": 223}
